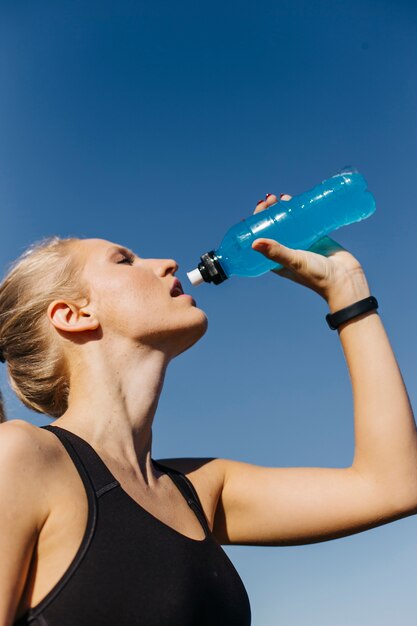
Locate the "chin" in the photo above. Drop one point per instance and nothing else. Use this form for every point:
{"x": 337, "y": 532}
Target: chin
{"x": 192, "y": 334}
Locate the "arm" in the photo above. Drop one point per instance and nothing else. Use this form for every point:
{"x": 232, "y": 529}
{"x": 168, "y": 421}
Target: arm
{"x": 253, "y": 505}
{"x": 280, "y": 506}
{"x": 23, "y": 511}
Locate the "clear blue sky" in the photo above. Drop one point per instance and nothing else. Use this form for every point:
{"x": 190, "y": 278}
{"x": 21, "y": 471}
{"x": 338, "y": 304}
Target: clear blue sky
{"x": 158, "y": 125}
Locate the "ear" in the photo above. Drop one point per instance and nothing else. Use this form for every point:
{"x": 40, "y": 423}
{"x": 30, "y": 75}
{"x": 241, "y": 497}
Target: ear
{"x": 69, "y": 317}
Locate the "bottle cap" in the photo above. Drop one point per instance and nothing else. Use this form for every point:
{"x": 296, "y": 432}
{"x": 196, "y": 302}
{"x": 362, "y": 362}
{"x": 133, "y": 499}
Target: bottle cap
{"x": 209, "y": 270}
{"x": 195, "y": 277}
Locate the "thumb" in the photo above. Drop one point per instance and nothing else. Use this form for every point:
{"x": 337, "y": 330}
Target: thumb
{"x": 288, "y": 257}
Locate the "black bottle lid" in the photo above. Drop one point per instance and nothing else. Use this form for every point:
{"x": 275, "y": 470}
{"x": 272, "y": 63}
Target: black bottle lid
{"x": 209, "y": 270}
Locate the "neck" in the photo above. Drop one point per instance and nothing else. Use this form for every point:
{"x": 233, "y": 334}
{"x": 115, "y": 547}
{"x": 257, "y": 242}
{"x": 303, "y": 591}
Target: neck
{"x": 113, "y": 400}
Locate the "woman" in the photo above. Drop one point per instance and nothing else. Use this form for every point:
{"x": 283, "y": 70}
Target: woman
{"x": 96, "y": 532}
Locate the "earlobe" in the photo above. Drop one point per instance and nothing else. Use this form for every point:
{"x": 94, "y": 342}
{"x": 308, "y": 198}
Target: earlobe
{"x": 68, "y": 317}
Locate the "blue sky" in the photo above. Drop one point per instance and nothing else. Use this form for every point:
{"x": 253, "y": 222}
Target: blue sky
{"x": 158, "y": 125}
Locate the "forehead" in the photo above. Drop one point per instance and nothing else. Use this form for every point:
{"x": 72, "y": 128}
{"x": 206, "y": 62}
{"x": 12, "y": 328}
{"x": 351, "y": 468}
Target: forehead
{"x": 90, "y": 254}
{"x": 91, "y": 248}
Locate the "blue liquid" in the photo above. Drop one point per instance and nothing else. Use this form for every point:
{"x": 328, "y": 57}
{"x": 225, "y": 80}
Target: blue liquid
{"x": 297, "y": 223}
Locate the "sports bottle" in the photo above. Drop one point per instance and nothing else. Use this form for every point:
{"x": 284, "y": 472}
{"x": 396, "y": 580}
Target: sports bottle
{"x": 297, "y": 223}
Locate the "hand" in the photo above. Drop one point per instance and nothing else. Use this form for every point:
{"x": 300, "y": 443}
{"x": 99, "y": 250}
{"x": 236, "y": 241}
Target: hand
{"x": 327, "y": 268}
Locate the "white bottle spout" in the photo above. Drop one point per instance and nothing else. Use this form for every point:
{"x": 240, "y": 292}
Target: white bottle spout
{"x": 195, "y": 277}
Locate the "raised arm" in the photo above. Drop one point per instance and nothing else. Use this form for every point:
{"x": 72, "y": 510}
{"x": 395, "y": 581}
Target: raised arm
{"x": 280, "y": 506}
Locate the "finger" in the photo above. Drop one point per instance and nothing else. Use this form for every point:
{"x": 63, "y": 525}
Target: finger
{"x": 270, "y": 199}
{"x": 261, "y": 206}
{"x": 288, "y": 257}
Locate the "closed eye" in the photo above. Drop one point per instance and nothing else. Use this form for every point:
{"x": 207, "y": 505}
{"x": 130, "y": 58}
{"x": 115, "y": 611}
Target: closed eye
{"x": 129, "y": 259}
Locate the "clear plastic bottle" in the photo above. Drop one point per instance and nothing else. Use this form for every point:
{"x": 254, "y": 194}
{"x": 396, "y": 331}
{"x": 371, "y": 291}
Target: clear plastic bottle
{"x": 297, "y": 223}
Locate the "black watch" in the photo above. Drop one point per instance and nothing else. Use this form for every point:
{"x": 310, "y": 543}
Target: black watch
{"x": 334, "y": 320}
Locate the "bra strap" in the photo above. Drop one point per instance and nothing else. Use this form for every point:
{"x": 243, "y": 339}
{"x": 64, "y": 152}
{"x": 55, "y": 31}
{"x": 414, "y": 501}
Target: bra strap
{"x": 84, "y": 456}
{"x": 187, "y": 489}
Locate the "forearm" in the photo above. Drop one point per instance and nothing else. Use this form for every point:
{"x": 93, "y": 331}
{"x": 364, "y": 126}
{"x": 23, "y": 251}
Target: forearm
{"x": 385, "y": 432}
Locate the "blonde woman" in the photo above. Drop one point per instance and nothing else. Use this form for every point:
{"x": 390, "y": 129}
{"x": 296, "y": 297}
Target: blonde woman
{"x": 93, "y": 530}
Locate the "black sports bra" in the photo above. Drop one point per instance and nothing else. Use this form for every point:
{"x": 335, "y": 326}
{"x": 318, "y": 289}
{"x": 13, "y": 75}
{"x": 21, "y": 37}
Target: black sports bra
{"x": 131, "y": 569}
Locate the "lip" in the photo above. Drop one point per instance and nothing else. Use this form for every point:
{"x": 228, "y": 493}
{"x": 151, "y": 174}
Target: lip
{"x": 187, "y": 295}
{"x": 176, "y": 289}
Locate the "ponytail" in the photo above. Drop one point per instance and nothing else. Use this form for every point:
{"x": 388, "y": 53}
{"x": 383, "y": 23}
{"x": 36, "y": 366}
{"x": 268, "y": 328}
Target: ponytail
{"x": 35, "y": 360}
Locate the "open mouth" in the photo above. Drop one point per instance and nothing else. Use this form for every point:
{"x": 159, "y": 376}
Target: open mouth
{"x": 176, "y": 289}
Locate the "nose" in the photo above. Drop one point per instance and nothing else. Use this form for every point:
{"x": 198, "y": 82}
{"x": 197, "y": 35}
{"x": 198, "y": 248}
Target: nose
{"x": 163, "y": 267}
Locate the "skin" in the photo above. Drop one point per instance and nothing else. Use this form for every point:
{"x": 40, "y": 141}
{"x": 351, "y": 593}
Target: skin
{"x": 118, "y": 343}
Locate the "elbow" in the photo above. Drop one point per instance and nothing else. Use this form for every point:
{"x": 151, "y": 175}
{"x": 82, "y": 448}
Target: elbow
{"x": 393, "y": 494}
{"x": 401, "y": 498}
{"x": 405, "y": 499}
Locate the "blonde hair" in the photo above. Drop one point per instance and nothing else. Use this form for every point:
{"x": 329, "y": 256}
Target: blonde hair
{"x": 34, "y": 356}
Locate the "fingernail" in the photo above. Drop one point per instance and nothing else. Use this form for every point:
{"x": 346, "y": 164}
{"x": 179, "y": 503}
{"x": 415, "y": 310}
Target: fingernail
{"x": 259, "y": 202}
{"x": 267, "y": 195}
{"x": 281, "y": 195}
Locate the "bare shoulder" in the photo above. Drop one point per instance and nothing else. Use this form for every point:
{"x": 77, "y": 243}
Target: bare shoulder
{"x": 17, "y": 437}
{"x": 26, "y": 458}
{"x": 209, "y": 469}
{"x": 207, "y": 476}
{"x": 203, "y": 469}
{"x": 22, "y": 441}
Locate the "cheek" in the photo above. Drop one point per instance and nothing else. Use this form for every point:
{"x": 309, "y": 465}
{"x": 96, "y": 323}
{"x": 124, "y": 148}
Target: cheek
{"x": 127, "y": 304}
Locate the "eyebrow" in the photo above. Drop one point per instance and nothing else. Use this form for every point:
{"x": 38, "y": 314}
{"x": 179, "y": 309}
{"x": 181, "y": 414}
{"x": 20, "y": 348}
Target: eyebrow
{"x": 121, "y": 249}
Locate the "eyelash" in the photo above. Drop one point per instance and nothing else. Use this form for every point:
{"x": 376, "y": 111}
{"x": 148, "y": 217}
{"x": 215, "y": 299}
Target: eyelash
{"x": 129, "y": 259}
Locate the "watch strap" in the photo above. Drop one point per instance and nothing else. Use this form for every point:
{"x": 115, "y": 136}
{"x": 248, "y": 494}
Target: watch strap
{"x": 334, "y": 320}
